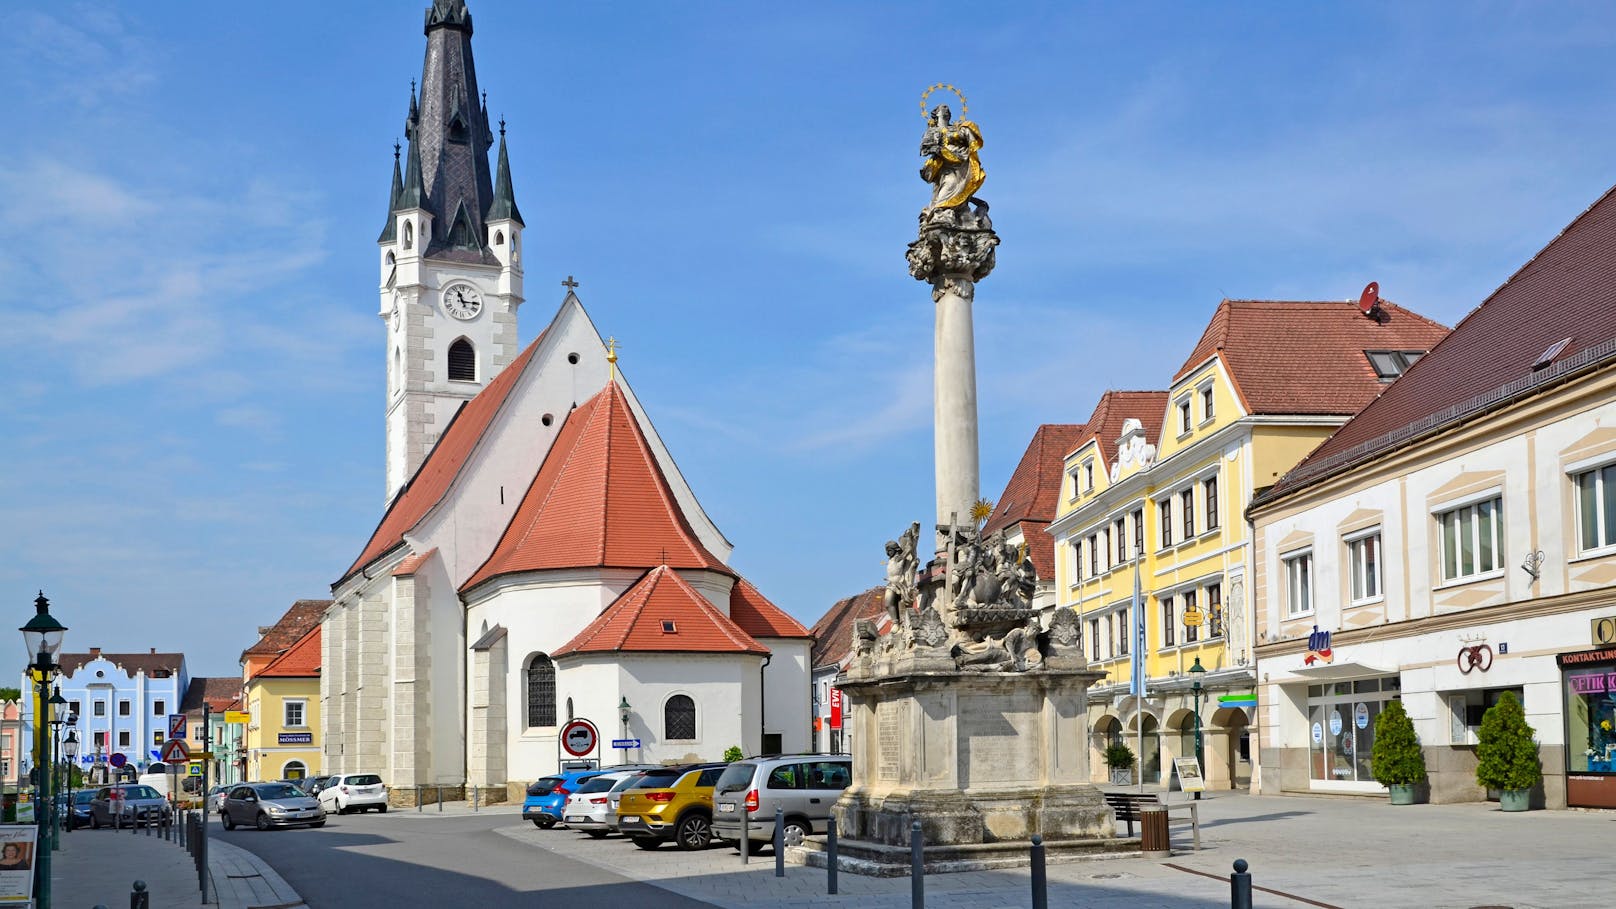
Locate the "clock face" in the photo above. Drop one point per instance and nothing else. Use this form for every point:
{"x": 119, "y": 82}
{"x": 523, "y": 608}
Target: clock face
{"x": 462, "y": 301}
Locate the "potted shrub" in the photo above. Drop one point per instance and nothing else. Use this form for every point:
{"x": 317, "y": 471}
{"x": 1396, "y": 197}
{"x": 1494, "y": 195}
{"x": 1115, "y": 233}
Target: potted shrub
{"x": 1397, "y": 761}
{"x": 1506, "y": 754}
{"x": 1119, "y": 758}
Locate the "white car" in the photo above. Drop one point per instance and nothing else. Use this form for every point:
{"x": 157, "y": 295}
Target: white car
{"x": 354, "y": 792}
{"x": 590, "y": 809}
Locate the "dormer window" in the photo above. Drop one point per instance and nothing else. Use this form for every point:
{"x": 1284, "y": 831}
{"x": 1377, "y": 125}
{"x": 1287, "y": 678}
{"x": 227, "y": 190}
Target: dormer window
{"x": 1088, "y": 476}
{"x": 1389, "y": 364}
{"x": 1184, "y": 423}
{"x": 1206, "y": 402}
{"x": 668, "y": 627}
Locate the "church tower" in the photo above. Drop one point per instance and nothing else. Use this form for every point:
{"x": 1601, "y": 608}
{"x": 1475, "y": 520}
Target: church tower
{"x": 451, "y": 262}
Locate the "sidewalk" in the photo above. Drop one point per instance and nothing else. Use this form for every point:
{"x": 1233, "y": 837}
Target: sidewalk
{"x": 99, "y": 867}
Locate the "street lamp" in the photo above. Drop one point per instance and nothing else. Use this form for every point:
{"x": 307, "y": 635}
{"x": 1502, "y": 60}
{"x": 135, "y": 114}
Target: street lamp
{"x": 70, "y": 749}
{"x": 1196, "y": 671}
{"x": 43, "y": 638}
{"x": 57, "y": 721}
{"x": 623, "y": 712}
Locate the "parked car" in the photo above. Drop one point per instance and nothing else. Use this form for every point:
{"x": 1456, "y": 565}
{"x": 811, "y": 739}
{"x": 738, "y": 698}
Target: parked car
{"x": 78, "y": 814}
{"x": 804, "y": 786}
{"x": 548, "y": 795}
{"x": 127, "y": 804}
{"x": 615, "y": 796}
{"x": 315, "y": 785}
{"x": 215, "y": 799}
{"x": 670, "y": 803}
{"x": 354, "y": 792}
{"x": 589, "y": 810}
{"x": 268, "y": 805}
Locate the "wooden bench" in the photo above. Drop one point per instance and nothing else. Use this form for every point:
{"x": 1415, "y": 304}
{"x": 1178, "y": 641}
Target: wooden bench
{"x": 1127, "y": 806}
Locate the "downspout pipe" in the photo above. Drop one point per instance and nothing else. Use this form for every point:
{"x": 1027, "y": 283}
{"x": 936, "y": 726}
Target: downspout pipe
{"x": 763, "y": 699}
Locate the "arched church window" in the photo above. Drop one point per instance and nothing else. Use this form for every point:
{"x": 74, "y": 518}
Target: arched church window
{"x": 679, "y": 718}
{"x": 462, "y": 361}
{"x": 499, "y": 238}
{"x": 569, "y": 710}
{"x": 409, "y": 234}
{"x": 392, "y": 259}
{"x": 541, "y": 691}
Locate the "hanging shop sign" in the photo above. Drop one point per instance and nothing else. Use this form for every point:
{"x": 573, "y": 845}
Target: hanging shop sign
{"x": 1604, "y": 631}
{"x": 836, "y": 708}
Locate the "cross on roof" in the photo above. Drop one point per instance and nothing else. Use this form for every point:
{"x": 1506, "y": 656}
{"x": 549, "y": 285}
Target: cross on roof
{"x": 569, "y": 284}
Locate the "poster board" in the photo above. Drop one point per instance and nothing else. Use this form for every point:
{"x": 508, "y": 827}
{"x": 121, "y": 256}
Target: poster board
{"x": 1189, "y": 774}
{"x": 17, "y": 843}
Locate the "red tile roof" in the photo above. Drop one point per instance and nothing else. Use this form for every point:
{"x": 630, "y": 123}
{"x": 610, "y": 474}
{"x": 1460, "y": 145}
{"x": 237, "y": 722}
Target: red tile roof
{"x": 303, "y": 615}
{"x": 1115, "y": 407}
{"x": 833, "y": 633}
{"x": 150, "y": 662}
{"x": 1033, "y": 492}
{"x": 443, "y": 463}
{"x": 1301, "y": 357}
{"x": 1565, "y": 291}
{"x": 301, "y": 661}
{"x": 599, "y": 500}
{"x": 218, "y": 692}
{"x": 752, "y": 611}
{"x": 634, "y": 622}
{"x": 413, "y": 563}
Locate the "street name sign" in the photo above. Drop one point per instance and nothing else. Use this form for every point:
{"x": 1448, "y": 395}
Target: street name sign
{"x": 625, "y": 743}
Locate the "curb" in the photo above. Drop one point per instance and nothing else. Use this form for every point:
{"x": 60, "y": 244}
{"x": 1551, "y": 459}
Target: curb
{"x": 242, "y": 880}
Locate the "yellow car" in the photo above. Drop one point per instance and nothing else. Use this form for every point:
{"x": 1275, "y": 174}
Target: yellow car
{"x": 670, "y": 803}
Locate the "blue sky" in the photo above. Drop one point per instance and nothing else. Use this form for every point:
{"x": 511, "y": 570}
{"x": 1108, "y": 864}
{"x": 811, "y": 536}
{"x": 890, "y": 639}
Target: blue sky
{"x": 191, "y": 194}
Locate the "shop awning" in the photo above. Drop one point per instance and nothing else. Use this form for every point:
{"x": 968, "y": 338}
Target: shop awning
{"x": 1341, "y": 672}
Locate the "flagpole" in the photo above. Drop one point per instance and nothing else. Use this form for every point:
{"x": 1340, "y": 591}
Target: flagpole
{"x": 1139, "y": 669}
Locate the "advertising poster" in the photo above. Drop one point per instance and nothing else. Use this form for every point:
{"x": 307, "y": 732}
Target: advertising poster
{"x": 17, "y": 864}
{"x": 1189, "y": 774}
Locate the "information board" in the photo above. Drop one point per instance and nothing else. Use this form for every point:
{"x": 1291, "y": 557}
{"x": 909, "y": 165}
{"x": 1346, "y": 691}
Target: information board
{"x": 1189, "y": 774}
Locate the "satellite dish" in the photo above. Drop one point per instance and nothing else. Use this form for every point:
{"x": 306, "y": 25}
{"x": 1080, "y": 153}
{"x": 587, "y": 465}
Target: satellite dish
{"x": 1369, "y": 300}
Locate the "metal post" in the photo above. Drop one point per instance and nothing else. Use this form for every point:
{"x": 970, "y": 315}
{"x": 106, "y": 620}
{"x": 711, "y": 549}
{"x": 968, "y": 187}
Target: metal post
{"x": 476, "y": 792}
{"x": 46, "y": 802}
{"x": 139, "y": 898}
{"x": 746, "y": 835}
{"x": 440, "y": 799}
{"x": 417, "y": 798}
{"x": 202, "y": 823}
{"x": 1240, "y": 886}
{"x": 830, "y": 855}
{"x": 1040, "y": 882}
{"x": 917, "y": 867}
{"x": 779, "y": 841}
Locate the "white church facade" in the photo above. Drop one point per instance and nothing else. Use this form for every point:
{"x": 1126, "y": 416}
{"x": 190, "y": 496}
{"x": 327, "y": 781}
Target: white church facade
{"x": 540, "y": 559}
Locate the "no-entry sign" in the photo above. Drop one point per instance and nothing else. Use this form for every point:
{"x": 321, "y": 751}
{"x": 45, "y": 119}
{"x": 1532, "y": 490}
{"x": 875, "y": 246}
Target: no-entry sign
{"x": 579, "y": 737}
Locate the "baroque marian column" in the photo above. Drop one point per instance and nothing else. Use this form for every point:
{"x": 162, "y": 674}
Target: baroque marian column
{"x": 954, "y": 251}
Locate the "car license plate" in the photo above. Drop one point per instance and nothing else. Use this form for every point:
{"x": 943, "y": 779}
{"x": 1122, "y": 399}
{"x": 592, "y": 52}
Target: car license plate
{"x": 628, "y": 820}
{"x": 726, "y": 808}
{"x": 574, "y": 817}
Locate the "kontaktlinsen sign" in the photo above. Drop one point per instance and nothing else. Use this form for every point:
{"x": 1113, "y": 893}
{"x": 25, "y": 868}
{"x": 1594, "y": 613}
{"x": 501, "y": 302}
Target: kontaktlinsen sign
{"x": 1587, "y": 656}
{"x": 295, "y": 738}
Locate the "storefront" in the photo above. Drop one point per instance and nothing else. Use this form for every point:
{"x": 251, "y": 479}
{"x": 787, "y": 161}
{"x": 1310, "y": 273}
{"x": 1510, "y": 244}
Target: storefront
{"x": 1341, "y": 730}
{"x": 1588, "y": 685}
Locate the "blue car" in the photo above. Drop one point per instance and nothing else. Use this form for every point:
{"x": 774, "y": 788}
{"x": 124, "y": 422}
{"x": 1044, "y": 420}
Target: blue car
{"x": 80, "y": 815}
{"x": 547, "y": 795}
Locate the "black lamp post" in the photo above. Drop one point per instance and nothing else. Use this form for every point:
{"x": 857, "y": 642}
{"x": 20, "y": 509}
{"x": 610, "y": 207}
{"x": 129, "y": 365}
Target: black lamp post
{"x": 57, "y": 721}
{"x": 1196, "y": 671}
{"x": 43, "y": 638}
{"x": 624, "y": 711}
{"x": 70, "y": 750}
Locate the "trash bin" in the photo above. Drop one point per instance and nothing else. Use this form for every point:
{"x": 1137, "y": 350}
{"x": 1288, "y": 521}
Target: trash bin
{"x": 1153, "y": 841}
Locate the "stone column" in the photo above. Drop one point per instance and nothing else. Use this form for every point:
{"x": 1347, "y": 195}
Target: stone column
{"x": 955, "y": 250}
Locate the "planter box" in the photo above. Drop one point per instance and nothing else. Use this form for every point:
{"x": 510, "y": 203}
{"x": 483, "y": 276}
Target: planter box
{"x": 1515, "y": 800}
{"x": 1404, "y": 794}
{"x": 1121, "y": 776}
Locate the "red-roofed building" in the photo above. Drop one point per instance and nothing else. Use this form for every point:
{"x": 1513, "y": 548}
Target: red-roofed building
{"x": 1029, "y": 501}
{"x": 282, "y": 739}
{"x": 1456, "y": 539}
{"x": 547, "y": 501}
{"x": 833, "y": 647}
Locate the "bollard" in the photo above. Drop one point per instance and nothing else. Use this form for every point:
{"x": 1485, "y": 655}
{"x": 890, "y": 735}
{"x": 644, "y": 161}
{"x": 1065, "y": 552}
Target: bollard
{"x": 440, "y": 799}
{"x": 830, "y": 855}
{"x": 1240, "y": 886}
{"x": 779, "y": 841}
{"x": 746, "y": 835}
{"x": 1040, "y": 883}
{"x": 476, "y": 793}
{"x": 138, "y": 897}
{"x": 917, "y": 867}
{"x": 417, "y": 798}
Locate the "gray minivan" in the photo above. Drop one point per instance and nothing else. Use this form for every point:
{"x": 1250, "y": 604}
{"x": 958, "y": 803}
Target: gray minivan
{"x": 804, "y": 786}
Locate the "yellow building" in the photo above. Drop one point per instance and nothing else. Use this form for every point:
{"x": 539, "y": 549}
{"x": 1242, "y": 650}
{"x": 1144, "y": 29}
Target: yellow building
{"x": 283, "y": 700}
{"x": 1155, "y": 495}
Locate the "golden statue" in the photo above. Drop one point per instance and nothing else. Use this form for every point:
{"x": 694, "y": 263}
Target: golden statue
{"x": 952, "y": 166}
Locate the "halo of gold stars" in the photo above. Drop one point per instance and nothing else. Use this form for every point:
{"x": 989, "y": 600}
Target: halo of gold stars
{"x": 925, "y": 114}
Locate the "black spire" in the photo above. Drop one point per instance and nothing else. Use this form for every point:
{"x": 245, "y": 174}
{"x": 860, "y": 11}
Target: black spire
{"x": 412, "y": 195}
{"x": 504, "y": 198}
{"x": 390, "y": 232}
{"x": 450, "y": 140}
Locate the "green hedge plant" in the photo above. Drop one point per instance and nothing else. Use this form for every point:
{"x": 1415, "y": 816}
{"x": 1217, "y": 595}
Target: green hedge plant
{"x": 1396, "y": 759}
{"x": 1119, "y": 756}
{"x": 733, "y": 753}
{"x": 1506, "y": 754}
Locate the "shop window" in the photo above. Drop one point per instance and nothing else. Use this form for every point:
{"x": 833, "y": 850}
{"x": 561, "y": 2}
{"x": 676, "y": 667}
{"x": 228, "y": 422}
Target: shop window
{"x": 1166, "y": 515}
{"x": 1472, "y": 540}
{"x": 1596, "y": 508}
{"x": 1590, "y": 711}
{"x": 1210, "y": 488}
{"x": 1363, "y": 564}
{"x": 1341, "y": 727}
{"x": 1299, "y": 584}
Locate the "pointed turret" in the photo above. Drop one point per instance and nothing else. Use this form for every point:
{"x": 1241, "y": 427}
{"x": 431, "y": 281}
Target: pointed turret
{"x": 411, "y": 195}
{"x": 504, "y": 206}
{"x": 451, "y": 139}
{"x": 390, "y": 232}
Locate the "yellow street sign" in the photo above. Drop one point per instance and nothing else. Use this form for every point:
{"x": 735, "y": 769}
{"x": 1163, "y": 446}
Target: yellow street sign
{"x": 237, "y": 716}
{"x": 1193, "y": 618}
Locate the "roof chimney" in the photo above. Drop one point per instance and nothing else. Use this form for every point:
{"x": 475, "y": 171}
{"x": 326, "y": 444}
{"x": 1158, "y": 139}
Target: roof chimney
{"x": 154, "y": 651}
{"x": 95, "y": 653}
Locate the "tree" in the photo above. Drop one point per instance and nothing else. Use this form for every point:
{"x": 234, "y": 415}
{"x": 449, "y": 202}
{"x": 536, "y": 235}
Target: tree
{"x": 1506, "y": 754}
{"x": 732, "y": 754}
{"x": 10, "y": 694}
{"x": 1396, "y": 759}
{"x": 1118, "y": 756}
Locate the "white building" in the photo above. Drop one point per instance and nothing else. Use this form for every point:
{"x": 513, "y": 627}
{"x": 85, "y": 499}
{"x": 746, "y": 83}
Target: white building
{"x": 541, "y": 558}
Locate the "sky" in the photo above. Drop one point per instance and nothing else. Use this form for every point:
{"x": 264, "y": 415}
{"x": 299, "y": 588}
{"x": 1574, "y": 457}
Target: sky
{"x": 190, "y": 195}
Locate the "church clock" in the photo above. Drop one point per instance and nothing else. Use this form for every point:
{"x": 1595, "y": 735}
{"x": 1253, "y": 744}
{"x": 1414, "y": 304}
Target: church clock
{"x": 462, "y": 301}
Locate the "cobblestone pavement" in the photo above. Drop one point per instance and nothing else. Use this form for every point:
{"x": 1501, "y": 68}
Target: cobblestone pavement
{"x": 1322, "y": 852}
{"x": 99, "y": 867}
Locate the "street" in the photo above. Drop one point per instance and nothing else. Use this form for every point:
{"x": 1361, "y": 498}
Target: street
{"x": 370, "y": 861}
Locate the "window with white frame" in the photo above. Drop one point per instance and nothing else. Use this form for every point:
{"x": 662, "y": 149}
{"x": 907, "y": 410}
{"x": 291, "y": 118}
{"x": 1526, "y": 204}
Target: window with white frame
{"x": 1596, "y": 508}
{"x": 1111, "y": 635}
{"x": 1214, "y": 610}
{"x": 293, "y": 711}
{"x": 123, "y": 738}
{"x": 1088, "y": 476}
{"x": 1187, "y": 506}
{"x": 1299, "y": 583}
{"x": 1094, "y": 639}
{"x": 1122, "y": 632}
{"x": 1166, "y": 514}
{"x": 99, "y": 707}
{"x": 1363, "y": 567}
{"x": 1192, "y": 631}
{"x": 1472, "y": 539}
{"x": 1138, "y": 530}
{"x": 159, "y": 708}
{"x": 1120, "y": 532}
{"x": 1105, "y": 547}
{"x": 123, "y": 708}
{"x": 1209, "y": 491}
{"x": 1184, "y": 423}
{"x": 1169, "y": 619}
{"x": 1094, "y": 555}
{"x": 1206, "y": 402}
{"x": 1077, "y": 560}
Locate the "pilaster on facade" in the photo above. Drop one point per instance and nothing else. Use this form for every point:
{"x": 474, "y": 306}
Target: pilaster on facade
{"x": 486, "y": 750}
{"x": 372, "y": 693}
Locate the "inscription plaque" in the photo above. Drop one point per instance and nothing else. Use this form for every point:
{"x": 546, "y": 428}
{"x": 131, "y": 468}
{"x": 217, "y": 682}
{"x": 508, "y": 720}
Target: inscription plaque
{"x": 887, "y": 736}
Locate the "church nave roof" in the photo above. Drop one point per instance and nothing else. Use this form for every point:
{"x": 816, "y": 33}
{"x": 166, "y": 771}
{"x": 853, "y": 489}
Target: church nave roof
{"x": 661, "y": 613}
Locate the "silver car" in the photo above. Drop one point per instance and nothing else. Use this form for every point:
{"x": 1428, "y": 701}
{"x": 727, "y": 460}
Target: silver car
{"x": 589, "y": 808}
{"x": 128, "y": 804}
{"x": 804, "y": 786}
{"x": 269, "y": 805}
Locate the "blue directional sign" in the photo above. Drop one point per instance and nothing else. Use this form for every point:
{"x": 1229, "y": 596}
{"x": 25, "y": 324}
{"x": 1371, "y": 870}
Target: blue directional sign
{"x": 625, "y": 743}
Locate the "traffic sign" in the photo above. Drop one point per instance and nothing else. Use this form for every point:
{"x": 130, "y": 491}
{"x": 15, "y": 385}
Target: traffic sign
{"x": 176, "y": 725}
{"x": 579, "y": 738}
{"x": 237, "y": 716}
{"x": 625, "y": 743}
{"x": 175, "y": 752}
{"x": 196, "y": 770}
{"x": 118, "y": 760}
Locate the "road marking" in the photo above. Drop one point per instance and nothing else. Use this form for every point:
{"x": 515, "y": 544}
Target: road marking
{"x": 1289, "y": 896}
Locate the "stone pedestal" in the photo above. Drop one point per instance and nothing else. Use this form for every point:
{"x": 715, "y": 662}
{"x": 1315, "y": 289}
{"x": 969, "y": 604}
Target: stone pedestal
{"x": 977, "y": 758}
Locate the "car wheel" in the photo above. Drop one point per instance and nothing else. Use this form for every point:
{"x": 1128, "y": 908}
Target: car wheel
{"x": 545, "y": 823}
{"x": 382, "y": 809}
{"x": 538, "y": 823}
{"x": 795, "y": 830}
{"x": 647, "y": 842}
{"x": 95, "y": 821}
{"x": 318, "y": 824}
{"x": 229, "y": 822}
{"x": 263, "y": 821}
{"x": 596, "y": 834}
{"x": 694, "y": 832}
